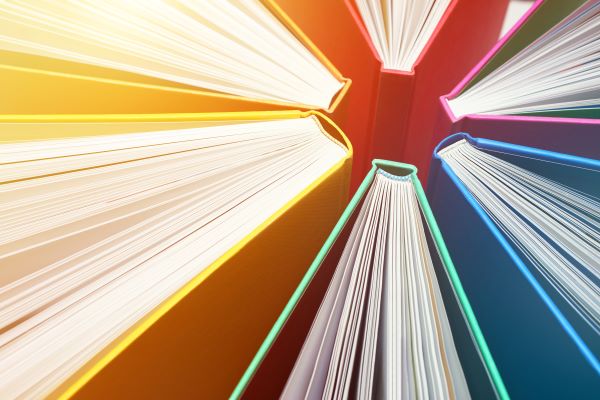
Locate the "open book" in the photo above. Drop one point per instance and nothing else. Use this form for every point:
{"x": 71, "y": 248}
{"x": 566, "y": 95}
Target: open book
{"x": 539, "y": 84}
{"x": 528, "y": 249}
{"x": 400, "y": 29}
{"x": 110, "y": 219}
{"x": 191, "y": 52}
{"x": 381, "y": 313}
{"x": 557, "y": 74}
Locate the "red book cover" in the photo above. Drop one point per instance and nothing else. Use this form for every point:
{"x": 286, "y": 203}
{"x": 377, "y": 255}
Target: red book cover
{"x": 386, "y": 113}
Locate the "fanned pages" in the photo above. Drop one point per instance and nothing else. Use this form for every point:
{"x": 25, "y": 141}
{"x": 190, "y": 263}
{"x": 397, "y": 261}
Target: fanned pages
{"x": 99, "y": 231}
{"x": 556, "y": 228}
{"x": 232, "y": 46}
{"x": 382, "y": 330}
{"x": 560, "y": 71}
{"x": 400, "y": 29}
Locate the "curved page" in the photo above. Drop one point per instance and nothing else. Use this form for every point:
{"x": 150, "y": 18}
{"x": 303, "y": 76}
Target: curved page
{"x": 233, "y": 47}
{"x": 382, "y": 329}
{"x": 99, "y": 231}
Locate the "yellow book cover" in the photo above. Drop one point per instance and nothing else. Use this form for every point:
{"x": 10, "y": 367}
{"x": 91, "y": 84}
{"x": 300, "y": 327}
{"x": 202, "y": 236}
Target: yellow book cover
{"x": 198, "y": 340}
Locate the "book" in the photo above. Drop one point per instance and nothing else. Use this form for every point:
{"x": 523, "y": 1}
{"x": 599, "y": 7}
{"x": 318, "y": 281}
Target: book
{"x": 170, "y": 56}
{"x": 527, "y": 252}
{"x": 136, "y": 248}
{"x": 399, "y": 102}
{"x": 380, "y": 312}
{"x": 538, "y": 83}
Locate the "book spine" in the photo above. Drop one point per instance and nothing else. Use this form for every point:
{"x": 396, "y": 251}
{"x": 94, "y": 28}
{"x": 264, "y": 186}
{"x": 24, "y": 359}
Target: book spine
{"x": 391, "y": 111}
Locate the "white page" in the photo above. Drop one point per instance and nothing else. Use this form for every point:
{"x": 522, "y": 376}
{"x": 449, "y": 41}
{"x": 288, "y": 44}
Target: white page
{"x": 319, "y": 343}
{"x": 391, "y": 338}
{"x": 374, "y": 309}
{"x": 400, "y": 29}
{"x": 559, "y": 70}
{"x": 515, "y": 199}
{"x": 100, "y": 268}
{"x": 342, "y": 361}
{"x": 235, "y": 47}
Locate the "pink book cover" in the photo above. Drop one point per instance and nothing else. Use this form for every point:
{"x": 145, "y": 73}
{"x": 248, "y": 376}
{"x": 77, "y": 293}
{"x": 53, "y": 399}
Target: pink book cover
{"x": 577, "y": 136}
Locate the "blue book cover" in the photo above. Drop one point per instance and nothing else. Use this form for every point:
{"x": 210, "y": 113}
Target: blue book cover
{"x": 543, "y": 335}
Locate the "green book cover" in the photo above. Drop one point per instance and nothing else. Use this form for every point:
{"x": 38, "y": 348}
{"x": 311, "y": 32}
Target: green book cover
{"x": 398, "y": 169}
